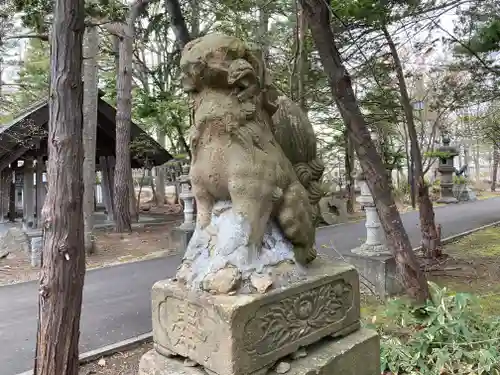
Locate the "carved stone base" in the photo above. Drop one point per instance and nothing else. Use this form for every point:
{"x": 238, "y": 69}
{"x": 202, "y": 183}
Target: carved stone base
{"x": 241, "y": 334}
{"x": 355, "y": 354}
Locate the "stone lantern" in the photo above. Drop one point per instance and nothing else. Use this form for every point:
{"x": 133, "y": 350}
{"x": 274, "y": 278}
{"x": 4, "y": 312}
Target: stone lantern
{"x": 187, "y": 196}
{"x": 183, "y": 233}
{"x": 375, "y": 236}
{"x": 447, "y": 169}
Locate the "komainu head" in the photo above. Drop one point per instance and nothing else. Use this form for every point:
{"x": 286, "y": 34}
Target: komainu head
{"x": 206, "y": 62}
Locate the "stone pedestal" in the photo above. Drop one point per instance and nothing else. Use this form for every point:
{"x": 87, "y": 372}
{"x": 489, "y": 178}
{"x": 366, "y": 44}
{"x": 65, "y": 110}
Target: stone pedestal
{"x": 375, "y": 236}
{"x": 248, "y": 334}
{"x": 35, "y": 239}
{"x": 356, "y": 354}
{"x": 181, "y": 236}
{"x": 380, "y": 275}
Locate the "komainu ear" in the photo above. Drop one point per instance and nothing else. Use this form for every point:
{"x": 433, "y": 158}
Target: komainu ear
{"x": 241, "y": 74}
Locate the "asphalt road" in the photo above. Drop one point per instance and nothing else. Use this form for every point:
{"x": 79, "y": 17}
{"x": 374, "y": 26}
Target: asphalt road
{"x": 117, "y": 305}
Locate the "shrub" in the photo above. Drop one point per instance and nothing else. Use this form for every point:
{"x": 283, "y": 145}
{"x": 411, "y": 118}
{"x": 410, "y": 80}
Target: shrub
{"x": 446, "y": 336}
{"x": 460, "y": 180}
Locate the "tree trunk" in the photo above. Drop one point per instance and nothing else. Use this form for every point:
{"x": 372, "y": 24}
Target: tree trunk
{"x": 195, "y": 18}
{"x": 301, "y": 60}
{"x": 263, "y": 39}
{"x": 107, "y": 186}
{"x": 409, "y": 167}
{"x": 412, "y": 278}
{"x": 134, "y": 213}
{"x": 178, "y": 22}
{"x": 153, "y": 189}
{"x": 123, "y": 220}
{"x": 349, "y": 170}
{"x": 138, "y": 208}
{"x": 494, "y": 172}
{"x": 477, "y": 161}
{"x": 90, "y": 99}
{"x": 63, "y": 259}
{"x": 160, "y": 174}
{"x": 430, "y": 235}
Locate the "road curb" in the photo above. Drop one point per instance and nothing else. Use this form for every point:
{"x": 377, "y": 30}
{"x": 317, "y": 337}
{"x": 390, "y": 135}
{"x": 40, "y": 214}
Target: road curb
{"x": 458, "y": 236}
{"x": 138, "y": 225}
{"x": 108, "y": 350}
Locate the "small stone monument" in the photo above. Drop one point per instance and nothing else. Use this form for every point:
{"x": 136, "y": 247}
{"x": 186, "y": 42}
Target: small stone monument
{"x": 251, "y": 296}
{"x": 183, "y": 233}
{"x": 447, "y": 169}
{"x": 462, "y": 191}
{"x": 375, "y": 237}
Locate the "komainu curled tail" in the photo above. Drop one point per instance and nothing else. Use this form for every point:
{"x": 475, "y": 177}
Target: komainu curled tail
{"x": 294, "y": 133}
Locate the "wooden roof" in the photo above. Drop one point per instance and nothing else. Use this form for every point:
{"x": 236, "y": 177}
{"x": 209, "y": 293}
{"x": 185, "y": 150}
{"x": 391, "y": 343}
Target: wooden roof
{"x": 27, "y": 135}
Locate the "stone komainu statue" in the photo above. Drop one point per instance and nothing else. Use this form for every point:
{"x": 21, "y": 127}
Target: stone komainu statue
{"x": 250, "y": 144}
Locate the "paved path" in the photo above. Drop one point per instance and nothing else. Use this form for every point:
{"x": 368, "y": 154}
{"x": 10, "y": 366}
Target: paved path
{"x": 117, "y": 299}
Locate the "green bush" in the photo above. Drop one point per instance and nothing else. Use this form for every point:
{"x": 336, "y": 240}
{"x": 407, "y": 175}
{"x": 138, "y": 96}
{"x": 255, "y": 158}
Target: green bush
{"x": 460, "y": 180}
{"x": 446, "y": 336}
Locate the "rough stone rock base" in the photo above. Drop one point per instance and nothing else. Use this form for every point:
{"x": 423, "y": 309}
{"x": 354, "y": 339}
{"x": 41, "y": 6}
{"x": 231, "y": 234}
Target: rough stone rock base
{"x": 355, "y": 354}
{"x": 240, "y": 334}
{"x": 220, "y": 257}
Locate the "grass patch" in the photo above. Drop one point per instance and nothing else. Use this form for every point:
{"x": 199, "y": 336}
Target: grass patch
{"x": 447, "y": 336}
{"x": 484, "y": 243}
{"x": 487, "y": 194}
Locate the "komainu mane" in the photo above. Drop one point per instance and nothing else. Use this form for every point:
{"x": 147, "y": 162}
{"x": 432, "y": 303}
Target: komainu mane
{"x": 250, "y": 145}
